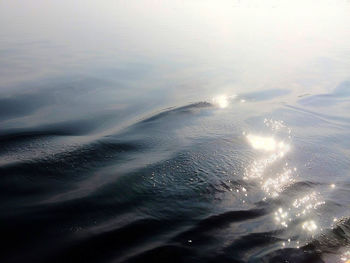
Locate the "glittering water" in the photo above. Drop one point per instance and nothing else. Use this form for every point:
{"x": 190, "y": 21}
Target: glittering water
{"x": 175, "y": 131}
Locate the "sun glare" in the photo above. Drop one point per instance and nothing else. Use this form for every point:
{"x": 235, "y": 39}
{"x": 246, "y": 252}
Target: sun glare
{"x": 222, "y": 101}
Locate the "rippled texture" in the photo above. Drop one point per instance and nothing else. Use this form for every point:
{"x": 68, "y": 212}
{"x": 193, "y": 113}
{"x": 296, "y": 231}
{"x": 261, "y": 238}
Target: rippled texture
{"x": 175, "y": 132}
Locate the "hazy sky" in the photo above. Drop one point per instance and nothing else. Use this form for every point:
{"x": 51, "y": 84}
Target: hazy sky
{"x": 226, "y": 45}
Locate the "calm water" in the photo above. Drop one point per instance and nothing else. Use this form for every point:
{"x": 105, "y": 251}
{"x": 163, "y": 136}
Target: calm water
{"x": 175, "y": 131}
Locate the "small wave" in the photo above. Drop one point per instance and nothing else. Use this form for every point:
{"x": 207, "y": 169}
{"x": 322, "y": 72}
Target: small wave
{"x": 167, "y": 253}
{"x": 178, "y": 110}
{"x": 217, "y": 222}
{"x": 104, "y": 246}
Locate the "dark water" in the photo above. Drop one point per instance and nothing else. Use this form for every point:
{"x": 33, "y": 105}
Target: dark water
{"x": 175, "y": 132}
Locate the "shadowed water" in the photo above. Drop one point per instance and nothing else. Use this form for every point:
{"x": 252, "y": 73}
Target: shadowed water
{"x": 165, "y": 135}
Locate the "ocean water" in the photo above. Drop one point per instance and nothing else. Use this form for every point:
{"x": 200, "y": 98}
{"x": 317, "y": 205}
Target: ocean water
{"x": 175, "y": 131}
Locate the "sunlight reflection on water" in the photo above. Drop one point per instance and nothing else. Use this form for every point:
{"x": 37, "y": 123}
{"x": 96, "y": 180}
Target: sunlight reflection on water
{"x": 274, "y": 151}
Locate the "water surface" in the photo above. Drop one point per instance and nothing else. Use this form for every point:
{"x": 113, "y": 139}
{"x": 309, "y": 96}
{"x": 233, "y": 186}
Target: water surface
{"x": 175, "y": 131}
